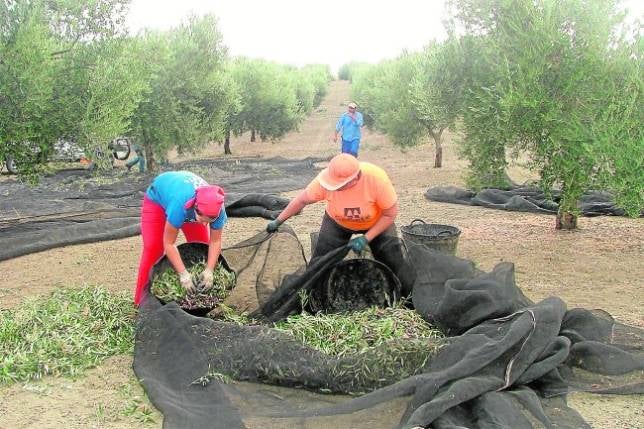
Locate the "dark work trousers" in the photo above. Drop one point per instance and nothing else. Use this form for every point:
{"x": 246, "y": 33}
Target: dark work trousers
{"x": 386, "y": 248}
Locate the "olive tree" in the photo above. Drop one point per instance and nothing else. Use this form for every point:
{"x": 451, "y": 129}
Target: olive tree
{"x": 350, "y": 70}
{"x": 436, "y": 89}
{"x": 27, "y": 76}
{"x": 412, "y": 97}
{"x": 64, "y": 73}
{"x": 187, "y": 103}
{"x": 558, "y": 96}
{"x": 320, "y": 76}
{"x": 99, "y": 92}
{"x": 483, "y": 138}
{"x": 383, "y": 94}
{"x": 268, "y": 98}
{"x": 363, "y": 91}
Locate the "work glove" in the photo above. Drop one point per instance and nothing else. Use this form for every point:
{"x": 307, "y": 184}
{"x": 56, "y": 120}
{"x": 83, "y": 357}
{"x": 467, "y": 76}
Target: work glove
{"x": 186, "y": 281}
{"x": 273, "y": 225}
{"x": 207, "y": 278}
{"x": 358, "y": 244}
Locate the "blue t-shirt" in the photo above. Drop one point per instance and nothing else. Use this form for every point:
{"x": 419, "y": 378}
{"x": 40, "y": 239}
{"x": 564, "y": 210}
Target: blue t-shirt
{"x": 350, "y": 128}
{"x": 172, "y": 190}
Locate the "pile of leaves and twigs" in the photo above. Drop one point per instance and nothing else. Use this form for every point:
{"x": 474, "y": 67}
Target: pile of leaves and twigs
{"x": 167, "y": 288}
{"x": 354, "y": 332}
{"x": 374, "y": 347}
{"x": 65, "y": 333}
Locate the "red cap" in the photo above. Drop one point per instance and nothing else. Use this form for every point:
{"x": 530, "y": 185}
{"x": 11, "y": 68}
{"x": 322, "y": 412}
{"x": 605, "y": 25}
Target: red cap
{"x": 207, "y": 201}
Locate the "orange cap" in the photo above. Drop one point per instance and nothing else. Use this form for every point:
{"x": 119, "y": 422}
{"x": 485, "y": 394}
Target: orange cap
{"x": 342, "y": 169}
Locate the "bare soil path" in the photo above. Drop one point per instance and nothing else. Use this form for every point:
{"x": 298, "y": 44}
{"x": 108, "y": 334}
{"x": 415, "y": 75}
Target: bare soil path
{"x": 598, "y": 266}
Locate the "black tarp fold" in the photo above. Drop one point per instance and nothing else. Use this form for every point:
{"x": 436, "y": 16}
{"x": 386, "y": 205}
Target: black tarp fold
{"x": 509, "y": 362}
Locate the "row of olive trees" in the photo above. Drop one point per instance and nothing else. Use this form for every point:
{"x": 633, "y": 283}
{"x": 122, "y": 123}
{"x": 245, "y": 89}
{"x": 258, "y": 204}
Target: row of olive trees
{"x": 66, "y": 71}
{"x": 558, "y": 82}
{"x": 273, "y": 98}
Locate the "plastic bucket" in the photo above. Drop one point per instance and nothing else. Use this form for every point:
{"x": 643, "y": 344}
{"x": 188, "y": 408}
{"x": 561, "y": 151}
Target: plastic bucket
{"x": 191, "y": 254}
{"x": 357, "y": 284}
{"x": 443, "y": 238}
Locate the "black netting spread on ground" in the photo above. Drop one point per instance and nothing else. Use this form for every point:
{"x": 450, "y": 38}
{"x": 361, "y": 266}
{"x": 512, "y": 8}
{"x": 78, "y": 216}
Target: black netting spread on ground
{"x": 72, "y": 207}
{"x": 524, "y": 199}
{"x": 507, "y": 363}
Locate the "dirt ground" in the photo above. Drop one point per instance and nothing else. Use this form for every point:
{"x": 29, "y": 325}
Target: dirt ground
{"x": 598, "y": 266}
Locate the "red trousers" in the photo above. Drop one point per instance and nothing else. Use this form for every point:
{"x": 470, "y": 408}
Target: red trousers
{"x": 153, "y": 220}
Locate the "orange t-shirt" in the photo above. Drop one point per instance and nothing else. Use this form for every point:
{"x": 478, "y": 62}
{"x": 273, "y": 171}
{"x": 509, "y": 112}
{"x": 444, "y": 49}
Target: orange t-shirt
{"x": 359, "y": 207}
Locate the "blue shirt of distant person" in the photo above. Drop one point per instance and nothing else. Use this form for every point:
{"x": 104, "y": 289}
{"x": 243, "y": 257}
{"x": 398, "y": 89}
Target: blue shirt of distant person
{"x": 349, "y": 126}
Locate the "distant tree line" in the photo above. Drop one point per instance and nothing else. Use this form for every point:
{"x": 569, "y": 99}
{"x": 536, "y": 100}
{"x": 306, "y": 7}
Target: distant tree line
{"x": 68, "y": 70}
{"x": 557, "y": 82}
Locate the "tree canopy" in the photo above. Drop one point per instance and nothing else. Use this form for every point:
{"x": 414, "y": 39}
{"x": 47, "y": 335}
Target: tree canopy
{"x": 69, "y": 72}
{"x": 564, "y": 93}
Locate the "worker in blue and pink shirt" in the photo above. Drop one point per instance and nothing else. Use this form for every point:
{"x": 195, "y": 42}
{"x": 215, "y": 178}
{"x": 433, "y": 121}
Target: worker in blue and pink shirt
{"x": 180, "y": 200}
{"x": 348, "y": 126}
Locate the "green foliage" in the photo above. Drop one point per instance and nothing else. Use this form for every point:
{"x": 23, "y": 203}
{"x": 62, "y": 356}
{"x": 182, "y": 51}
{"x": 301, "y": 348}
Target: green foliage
{"x": 136, "y": 404}
{"x": 304, "y": 89}
{"x": 68, "y": 72}
{"x": 382, "y": 346}
{"x": 484, "y": 144}
{"x": 268, "y": 96}
{"x": 61, "y": 62}
{"x": 617, "y": 129}
{"x": 350, "y": 70}
{"x": 167, "y": 287}
{"x": 437, "y": 87}
{"x": 91, "y": 112}
{"x": 319, "y": 76}
{"x": 554, "y": 82}
{"x": 65, "y": 333}
{"x": 415, "y": 95}
{"x": 344, "y": 73}
{"x": 211, "y": 376}
{"x": 75, "y": 20}
{"x": 364, "y": 92}
{"x": 27, "y": 78}
{"x": 392, "y": 105}
{"x": 473, "y": 70}
{"x": 340, "y": 334}
{"x": 188, "y": 101}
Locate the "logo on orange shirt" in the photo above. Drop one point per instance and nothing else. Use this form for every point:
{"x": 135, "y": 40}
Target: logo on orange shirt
{"x": 352, "y": 213}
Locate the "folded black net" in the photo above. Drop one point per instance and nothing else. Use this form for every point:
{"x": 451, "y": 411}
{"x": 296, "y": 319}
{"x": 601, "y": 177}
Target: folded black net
{"x": 506, "y": 361}
{"x": 525, "y": 199}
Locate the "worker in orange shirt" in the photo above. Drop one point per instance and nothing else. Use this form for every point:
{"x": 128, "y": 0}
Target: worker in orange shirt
{"x": 360, "y": 200}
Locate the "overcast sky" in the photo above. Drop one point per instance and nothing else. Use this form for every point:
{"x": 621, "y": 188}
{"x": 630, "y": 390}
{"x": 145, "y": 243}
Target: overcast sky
{"x": 301, "y": 32}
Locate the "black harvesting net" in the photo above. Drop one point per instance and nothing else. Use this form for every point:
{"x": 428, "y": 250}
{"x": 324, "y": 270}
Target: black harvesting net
{"x": 524, "y": 199}
{"x": 507, "y": 362}
{"x": 74, "y": 207}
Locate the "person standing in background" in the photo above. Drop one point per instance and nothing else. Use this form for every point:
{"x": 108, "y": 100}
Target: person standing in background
{"x": 138, "y": 159}
{"x": 348, "y": 126}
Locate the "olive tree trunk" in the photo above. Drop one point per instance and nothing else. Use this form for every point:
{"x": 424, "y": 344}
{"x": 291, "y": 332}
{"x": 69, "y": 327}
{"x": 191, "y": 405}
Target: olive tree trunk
{"x": 438, "y": 143}
{"x": 568, "y": 212}
{"x": 227, "y": 150}
{"x": 149, "y": 153}
{"x": 566, "y": 220}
